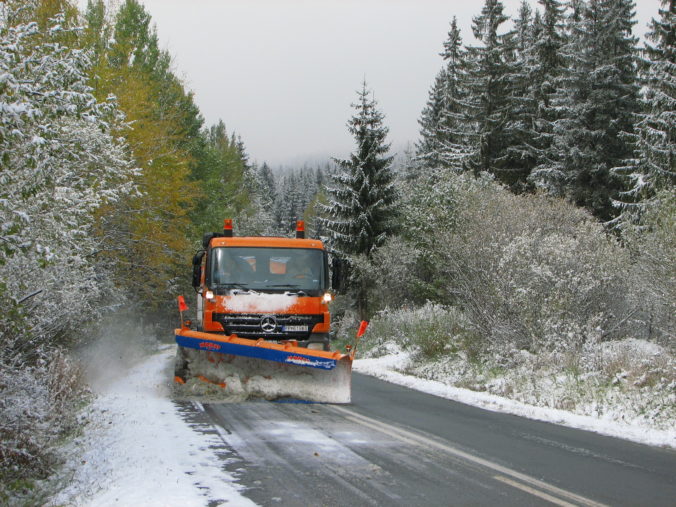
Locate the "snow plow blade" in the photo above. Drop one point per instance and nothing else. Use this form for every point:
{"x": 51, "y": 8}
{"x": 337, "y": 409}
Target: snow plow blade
{"x": 261, "y": 369}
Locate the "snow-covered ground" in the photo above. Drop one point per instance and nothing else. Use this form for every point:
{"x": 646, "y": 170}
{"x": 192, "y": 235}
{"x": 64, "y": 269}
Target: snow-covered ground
{"x": 139, "y": 450}
{"x": 386, "y": 367}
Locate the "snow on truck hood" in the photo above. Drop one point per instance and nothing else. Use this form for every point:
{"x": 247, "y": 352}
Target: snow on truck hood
{"x": 270, "y": 303}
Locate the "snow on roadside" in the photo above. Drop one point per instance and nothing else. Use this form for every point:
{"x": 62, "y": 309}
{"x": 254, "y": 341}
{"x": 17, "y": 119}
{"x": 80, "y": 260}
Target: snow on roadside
{"x": 138, "y": 450}
{"x": 384, "y": 368}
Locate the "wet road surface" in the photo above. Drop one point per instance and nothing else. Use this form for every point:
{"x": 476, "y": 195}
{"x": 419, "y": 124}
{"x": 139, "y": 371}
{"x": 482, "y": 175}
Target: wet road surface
{"x": 396, "y": 446}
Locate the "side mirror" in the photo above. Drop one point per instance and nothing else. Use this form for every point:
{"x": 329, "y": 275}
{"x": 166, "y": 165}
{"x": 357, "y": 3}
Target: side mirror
{"x": 197, "y": 268}
{"x": 336, "y": 274}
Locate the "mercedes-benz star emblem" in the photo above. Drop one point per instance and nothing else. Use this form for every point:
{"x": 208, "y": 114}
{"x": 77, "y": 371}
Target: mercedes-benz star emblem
{"x": 268, "y": 324}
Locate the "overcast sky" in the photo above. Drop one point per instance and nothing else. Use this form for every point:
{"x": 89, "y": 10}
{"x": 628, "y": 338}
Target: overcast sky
{"x": 283, "y": 73}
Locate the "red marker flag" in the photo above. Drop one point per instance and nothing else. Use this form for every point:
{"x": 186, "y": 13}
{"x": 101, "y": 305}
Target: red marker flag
{"x": 181, "y": 304}
{"x": 362, "y": 328}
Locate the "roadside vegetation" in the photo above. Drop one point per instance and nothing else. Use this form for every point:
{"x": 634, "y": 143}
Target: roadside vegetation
{"x": 529, "y": 297}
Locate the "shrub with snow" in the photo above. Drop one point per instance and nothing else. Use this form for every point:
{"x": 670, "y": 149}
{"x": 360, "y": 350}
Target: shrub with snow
{"x": 652, "y": 244}
{"x": 536, "y": 301}
{"x": 527, "y": 271}
{"x": 59, "y": 164}
{"x": 631, "y": 381}
{"x": 429, "y": 331}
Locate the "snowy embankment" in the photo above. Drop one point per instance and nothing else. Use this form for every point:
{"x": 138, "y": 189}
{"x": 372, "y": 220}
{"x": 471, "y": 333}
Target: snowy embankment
{"x": 137, "y": 448}
{"x": 388, "y": 367}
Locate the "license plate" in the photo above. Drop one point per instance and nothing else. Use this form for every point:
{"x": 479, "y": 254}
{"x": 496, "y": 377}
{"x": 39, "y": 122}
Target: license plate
{"x": 294, "y": 329}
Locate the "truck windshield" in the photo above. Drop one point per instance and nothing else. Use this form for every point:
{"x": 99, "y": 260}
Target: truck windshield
{"x": 268, "y": 269}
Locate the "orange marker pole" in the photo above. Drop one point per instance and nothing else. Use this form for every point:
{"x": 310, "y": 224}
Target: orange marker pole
{"x": 181, "y": 307}
{"x": 360, "y": 332}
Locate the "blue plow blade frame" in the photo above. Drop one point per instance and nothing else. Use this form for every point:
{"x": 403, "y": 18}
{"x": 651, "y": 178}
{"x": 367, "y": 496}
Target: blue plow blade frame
{"x": 235, "y": 349}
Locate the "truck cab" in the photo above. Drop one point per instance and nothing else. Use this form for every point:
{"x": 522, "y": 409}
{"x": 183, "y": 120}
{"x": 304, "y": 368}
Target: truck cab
{"x": 270, "y": 288}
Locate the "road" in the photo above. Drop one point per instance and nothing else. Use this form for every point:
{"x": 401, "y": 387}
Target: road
{"x": 396, "y": 446}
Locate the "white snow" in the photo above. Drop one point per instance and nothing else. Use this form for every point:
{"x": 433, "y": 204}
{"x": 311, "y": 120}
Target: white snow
{"x": 384, "y": 368}
{"x": 262, "y": 303}
{"x": 138, "y": 449}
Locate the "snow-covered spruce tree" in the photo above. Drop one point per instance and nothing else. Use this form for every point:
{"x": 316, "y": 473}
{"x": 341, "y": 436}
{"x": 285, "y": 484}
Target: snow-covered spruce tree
{"x": 597, "y": 101}
{"x": 429, "y": 147}
{"x": 313, "y": 209}
{"x": 546, "y": 78}
{"x": 59, "y": 163}
{"x": 489, "y": 91}
{"x": 289, "y": 201}
{"x": 550, "y": 175}
{"x": 455, "y": 128}
{"x": 254, "y": 219}
{"x": 298, "y": 193}
{"x": 549, "y": 39}
{"x": 267, "y": 187}
{"x": 298, "y": 198}
{"x": 521, "y": 152}
{"x": 653, "y": 167}
{"x": 362, "y": 210}
{"x": 443, "y": 126}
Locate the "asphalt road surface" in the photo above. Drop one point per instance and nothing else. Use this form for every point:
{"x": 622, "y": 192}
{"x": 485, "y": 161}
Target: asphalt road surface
{"x": 396, "y": 446}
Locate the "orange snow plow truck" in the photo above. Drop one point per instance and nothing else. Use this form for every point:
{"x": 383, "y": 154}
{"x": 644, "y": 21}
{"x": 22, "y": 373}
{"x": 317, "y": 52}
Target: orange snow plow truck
{"x": 262, "y": 327}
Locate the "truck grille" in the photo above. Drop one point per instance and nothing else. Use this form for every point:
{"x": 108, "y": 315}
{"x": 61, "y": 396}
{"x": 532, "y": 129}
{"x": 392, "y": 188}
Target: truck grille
{"x": 268, "y": 326}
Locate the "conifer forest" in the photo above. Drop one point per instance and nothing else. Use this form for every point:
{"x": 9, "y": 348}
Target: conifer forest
{"x": 532, "y": 226}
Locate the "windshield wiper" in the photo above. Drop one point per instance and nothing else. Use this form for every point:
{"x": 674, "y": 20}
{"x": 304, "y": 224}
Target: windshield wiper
{"x": 233, "y": 286}
{"x": 289, "y": 286}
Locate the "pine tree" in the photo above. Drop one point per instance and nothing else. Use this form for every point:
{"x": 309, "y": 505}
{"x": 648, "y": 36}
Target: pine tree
{"x": 294, "y": 200}
{"x": 653, "y": 168}
{"x": 550, "y": 174}
{"x": 443, "y": 126}
{"x": 361, "y": 212}
{"x": 454, "y": 127}
{"x": 521, "y": 152}
{"x": 489, "y": 91}
{"x": 257, "y": 218}
{"x": 546, "y": 80}
{"x": 597, "y": 101}
{"x": 267, "y": 189}
{"x": 548, "y": 42}
{"x": 313, "y": 209}
{"x": 298, "y": 189}
{"x": 430, "y": 146}
{"x": 267, "y": 180}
